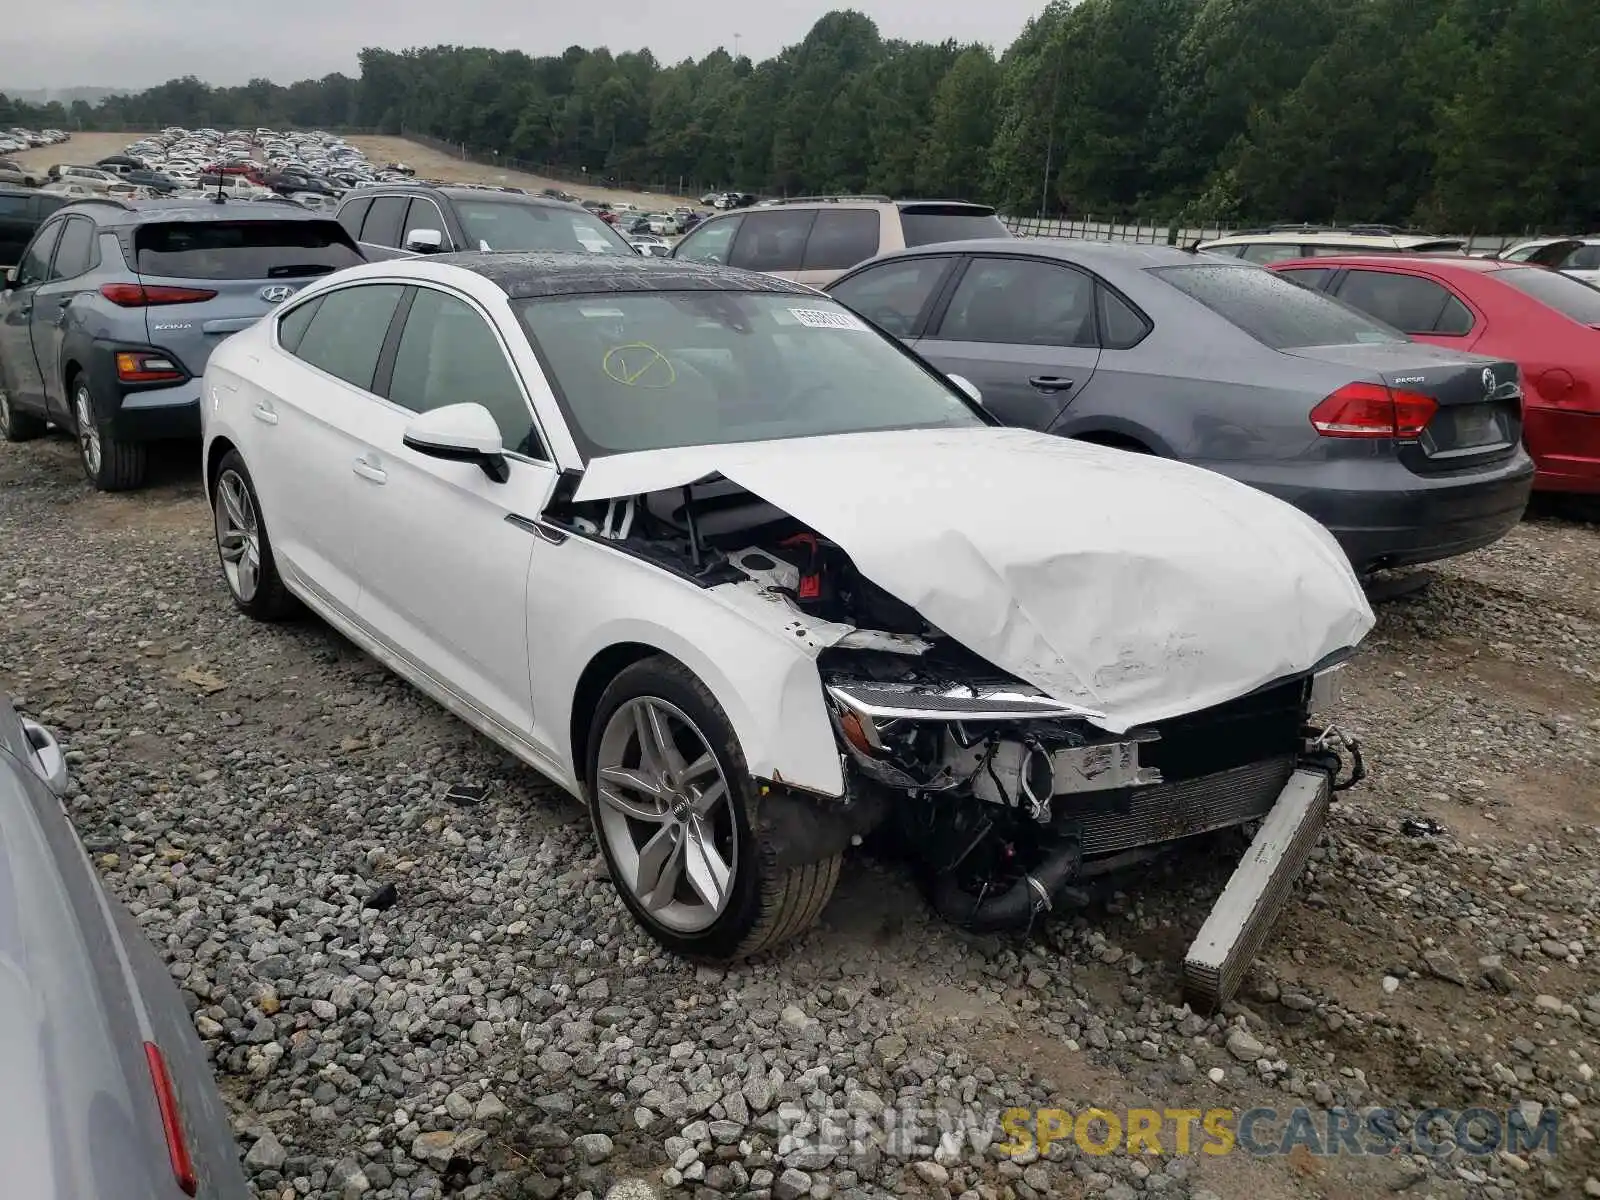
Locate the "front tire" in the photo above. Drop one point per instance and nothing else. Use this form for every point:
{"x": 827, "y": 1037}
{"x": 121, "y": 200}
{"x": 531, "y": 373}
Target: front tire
{"x": 17, "y": 426}
{"x": 674, "y": 810}
{"x": 111, "y": 464}
{"x": 243, "y": 548}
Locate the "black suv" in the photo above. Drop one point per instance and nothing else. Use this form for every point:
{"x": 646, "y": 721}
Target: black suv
{"x": 21, "y": 212}
{"x": 108, "y": 320}
{"x": 406, "y": 219}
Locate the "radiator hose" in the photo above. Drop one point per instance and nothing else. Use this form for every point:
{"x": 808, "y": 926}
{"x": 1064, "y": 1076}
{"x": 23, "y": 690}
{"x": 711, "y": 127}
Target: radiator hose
{"x": 1019, "y": 905}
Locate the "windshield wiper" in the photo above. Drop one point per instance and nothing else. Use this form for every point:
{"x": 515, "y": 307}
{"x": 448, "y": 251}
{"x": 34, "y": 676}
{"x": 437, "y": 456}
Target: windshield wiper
{"x": 299, "y": 269}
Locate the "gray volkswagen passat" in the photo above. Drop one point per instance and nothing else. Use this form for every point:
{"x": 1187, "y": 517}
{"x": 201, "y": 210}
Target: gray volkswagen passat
{"x": 1407, "y": 453}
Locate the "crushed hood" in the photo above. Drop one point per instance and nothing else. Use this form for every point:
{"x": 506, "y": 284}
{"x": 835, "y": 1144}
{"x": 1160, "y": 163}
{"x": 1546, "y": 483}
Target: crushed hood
{"x": 1136, "y": 587}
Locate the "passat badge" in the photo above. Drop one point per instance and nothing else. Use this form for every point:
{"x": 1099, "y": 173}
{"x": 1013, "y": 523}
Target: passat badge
{"x": 273, "y": 293}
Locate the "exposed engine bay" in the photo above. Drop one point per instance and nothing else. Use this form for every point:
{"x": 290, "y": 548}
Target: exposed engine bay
{"x": 1005, "y": 799}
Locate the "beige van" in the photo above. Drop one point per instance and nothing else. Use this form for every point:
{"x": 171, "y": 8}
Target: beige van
{"x": 815, "y": 239}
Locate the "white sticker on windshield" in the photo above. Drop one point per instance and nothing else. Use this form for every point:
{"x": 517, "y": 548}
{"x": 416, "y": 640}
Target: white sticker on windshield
{"x": 821, "y": 318}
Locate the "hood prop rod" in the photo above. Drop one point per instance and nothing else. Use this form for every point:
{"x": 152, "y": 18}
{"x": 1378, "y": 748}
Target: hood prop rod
{"x": 693, "y": 526}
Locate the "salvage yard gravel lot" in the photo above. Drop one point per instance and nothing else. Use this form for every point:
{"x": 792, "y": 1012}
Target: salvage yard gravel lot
{"x": 407, "y": 996}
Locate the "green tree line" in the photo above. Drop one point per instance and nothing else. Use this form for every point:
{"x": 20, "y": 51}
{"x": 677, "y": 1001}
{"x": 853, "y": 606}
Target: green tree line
{"x": 1467, "y": 114}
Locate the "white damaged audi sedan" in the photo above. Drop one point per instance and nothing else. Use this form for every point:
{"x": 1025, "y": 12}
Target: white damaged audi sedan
{"x": 754, "y": 581}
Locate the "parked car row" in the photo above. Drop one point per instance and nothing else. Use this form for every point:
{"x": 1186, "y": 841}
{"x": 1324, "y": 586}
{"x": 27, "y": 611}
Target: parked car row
{"x": 755, "y": 570}
{"x": 17, "y": 139}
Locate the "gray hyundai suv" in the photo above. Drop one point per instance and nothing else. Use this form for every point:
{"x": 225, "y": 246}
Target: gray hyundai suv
{"x": 108, "y": 319}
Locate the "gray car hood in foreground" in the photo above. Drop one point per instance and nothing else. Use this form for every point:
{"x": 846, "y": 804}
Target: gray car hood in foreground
{"x": 1135, "y": 588}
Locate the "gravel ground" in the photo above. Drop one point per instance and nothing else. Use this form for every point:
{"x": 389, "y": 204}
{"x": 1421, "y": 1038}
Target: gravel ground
{"x": 409, "y": 999}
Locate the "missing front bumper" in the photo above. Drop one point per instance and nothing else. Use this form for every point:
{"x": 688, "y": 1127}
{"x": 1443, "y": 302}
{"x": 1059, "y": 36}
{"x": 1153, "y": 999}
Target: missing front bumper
{"x": 1249, "y": 906}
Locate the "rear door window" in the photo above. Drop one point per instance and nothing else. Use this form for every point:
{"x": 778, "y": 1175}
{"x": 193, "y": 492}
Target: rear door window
{"x": 345, "y": 335}
{"x": 76, "y": 249}
{"x": 1408, "y": 302}
{"x": 841, "y": 239}
{"x": 926, "y": 224}
{"x": 893, "y": 295}
{"x": 382, "y": 226}
{"x": 13, "y": 206}
{"x": 772, "y": 241}
{"x": 243, "y": 249}
{"x": 1019, "y": 301}
{"x": 1273, "y": 310}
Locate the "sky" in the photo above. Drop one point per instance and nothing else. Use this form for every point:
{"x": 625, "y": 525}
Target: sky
{"x": 138, "y": 43}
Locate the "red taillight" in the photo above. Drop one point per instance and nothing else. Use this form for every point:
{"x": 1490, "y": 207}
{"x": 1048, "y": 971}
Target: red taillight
{"x": 171, "y": 1121}
{"x": 136, "y": 366}
{"x": 138, "y": 295}
{"x": 1371, "y": 410}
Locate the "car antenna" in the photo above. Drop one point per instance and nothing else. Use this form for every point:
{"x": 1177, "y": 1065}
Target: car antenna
{"x": 219, "y": 198}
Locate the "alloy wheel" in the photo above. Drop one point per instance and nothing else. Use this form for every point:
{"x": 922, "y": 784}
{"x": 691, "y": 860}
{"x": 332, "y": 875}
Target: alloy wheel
{"x": 5, "y": 410}
{"x": 238, "y": 536}
{"x": 667, "y": 815}
{"x": 88, "y": 431}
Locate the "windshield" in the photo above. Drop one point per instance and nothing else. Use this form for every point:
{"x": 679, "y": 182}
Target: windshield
{"x": 1568, "y": 296}
{"x": 645, "y": 371}
{"x": 515, "y": 225}
{"x": 1276, "y": 311}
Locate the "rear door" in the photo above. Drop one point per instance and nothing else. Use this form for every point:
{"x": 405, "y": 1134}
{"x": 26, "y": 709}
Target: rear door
{"x": 1022, "y": 330}
{"x": 227, "y": 275}
{"x": 1420, "y": 305}
{"x": 312, "y": 408}
{"x": 839, "y": 239}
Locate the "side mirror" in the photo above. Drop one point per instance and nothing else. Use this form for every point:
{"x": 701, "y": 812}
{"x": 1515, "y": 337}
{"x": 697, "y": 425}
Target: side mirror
{"x": 49, "y": 763}
{"x": 967, "y": 386}
{"x": 10, "y": 280}
{"x": 460, "y": 433}
{"x": 424, "y": 241}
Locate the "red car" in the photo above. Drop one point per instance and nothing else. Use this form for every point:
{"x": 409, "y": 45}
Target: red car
{"x": 1547, "y": 322}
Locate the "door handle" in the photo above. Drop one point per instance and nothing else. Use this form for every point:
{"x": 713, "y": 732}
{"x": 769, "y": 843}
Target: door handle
{"x": 24, "y": 310}
{"x": 1050, "y": 383}
{"x": 369, "y": 472}
{"x": 264, "y": 414}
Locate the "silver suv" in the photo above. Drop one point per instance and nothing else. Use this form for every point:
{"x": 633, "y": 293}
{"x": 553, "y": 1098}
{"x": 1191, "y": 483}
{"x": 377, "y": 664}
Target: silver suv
{"x": 815, "y": 239}
{"x": 108, "y": 319}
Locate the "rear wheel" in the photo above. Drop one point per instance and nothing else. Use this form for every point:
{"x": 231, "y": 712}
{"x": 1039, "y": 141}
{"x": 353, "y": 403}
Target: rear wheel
{"x": 243, "y": 548}
{"x": 675, "y": 812}
{"x": 111, "y": 464}
{"x": 17, "y": 426}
